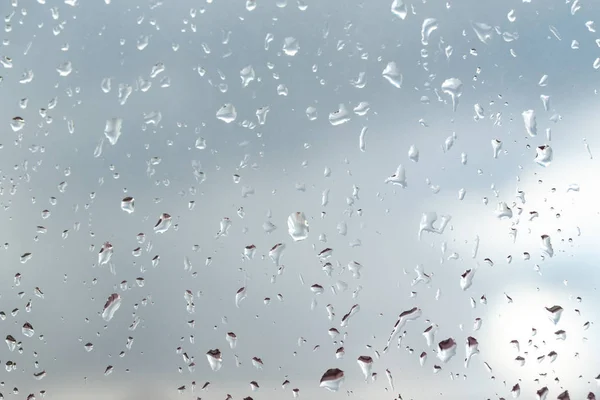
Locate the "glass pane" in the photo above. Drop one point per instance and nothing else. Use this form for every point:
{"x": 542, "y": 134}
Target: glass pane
{"x": 319, "y": 199}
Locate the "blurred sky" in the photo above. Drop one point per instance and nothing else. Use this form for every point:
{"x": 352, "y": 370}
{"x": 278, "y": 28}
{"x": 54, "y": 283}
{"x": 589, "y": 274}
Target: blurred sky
{"x": 203, "y": 47}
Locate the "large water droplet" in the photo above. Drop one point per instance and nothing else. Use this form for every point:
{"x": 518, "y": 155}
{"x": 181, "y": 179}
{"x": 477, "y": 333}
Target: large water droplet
{"x": 530, "y": 122}
{"x": 163, "y": 224}
{"x": 366, "y": 365}
{"x": 248, "y": 75}
{"x": 392, "y": 74}
{"x": 27, "y": 329}
{"x": 112, "y": 130}
{"x": 214, "y": 359}
{"x": 483, "y": 31}
{"x": 332, "y": 379}
{"x": 453, "y": 88}
{"x": 128, "y": 204}
{"x": 227, "y": 113}
{"x": 65, "y": 68}
{"x": 105, "y": 254}
{"x": 544, "y": 155}
{"x": 446, "y": 350}
{"x": 297, "y": 226}
{"x": 398, "y": 178}
{"x": 340, "y": 116}
{"x": 291, "y": 46}
{"x": 399, "y": 9}
{"x": 429, "y": 25}
{"x": 111, "y": 306}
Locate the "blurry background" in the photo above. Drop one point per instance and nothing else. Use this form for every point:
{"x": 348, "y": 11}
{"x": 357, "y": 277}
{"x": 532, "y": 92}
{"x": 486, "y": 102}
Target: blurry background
{"x": 165, "y": 69}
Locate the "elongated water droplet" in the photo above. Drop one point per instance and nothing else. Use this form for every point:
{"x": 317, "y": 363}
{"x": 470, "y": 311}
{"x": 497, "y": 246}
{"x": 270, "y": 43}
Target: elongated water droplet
{"x": 112, "y": 130}
{"x": 111, "y": 306}
{"x": 429, "y": 25}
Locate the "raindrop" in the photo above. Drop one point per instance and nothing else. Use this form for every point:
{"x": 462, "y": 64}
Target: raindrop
{"x": 111, "y": 306}
{"x": 453, "y": 88}
{"x": 392, "y": 74}
{"x": 429, "y": 25}
{"x": 290, "y": 46}
{"x": 163, "y": 224}
{"x": 332, "y": 379}
{"x": 112, "y": 130}
{"x": 298, "y": 226}
{"x": 399, "y": 9}
{"x": 544, "y": 155}
{"x": 227, "y": 113}
{"x": 128, "y": 204}
{"x": 214, "y": 359}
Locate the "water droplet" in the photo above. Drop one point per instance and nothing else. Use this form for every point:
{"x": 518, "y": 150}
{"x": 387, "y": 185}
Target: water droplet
{"x": 311, "y": 113}
{"x": 291, "y": 46}
{"x": 227, "y": 113}
{"x": 392, "y": 74}
{"x": 503, "y": 211}
{"x": 453, "y": 88}
{"x": 429, "y": 25}
{"x": 111, "y": 306}
{"x": 511, "y": 16}
{"x": 340, "y": 116}
{"x": 27, "y": 329}
{"x": 65, "y": 68}
{"x": 247, "y": 75}
{"x": 398, "y": 178}
{"x": 554, "y": 313}
{"x": 128, "y": 204}
{"x": 466, "y": 279}
{"x": 483, "y": 31}
{"x": 496, "y": 146}
{"x": 231, "y": 339}
{"x": 261, "y": 115}
{"x": 361, "y": 139}
{"x": 428, "y": 220}
{"x": 105, "y": 253}
{"x": 240, "y": 295}
{"x": 399, "y": 9}
{"x": 544, "y": 155}
{"x": 17, "y": 123}
{"x": 250, "y": 5}
{"x": 332, "y": 379}
{"x": 471, "y": 348}
{"x": 405, "y": 317}
{"x": 546, "y": 246}
{"x": 224, "y": 226}
{"x": 298, "y": 226}
{"x": 112, "y": 130}
{"x": 11, "y": 342}
{"x": 276, "y": 252}
{"x": 446, "y": 350}
{"x": 163, "y": 224}
{"x": 366, "y": 365}
{"x": 530, "y": 122}
{"x": 214, "y": 359}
